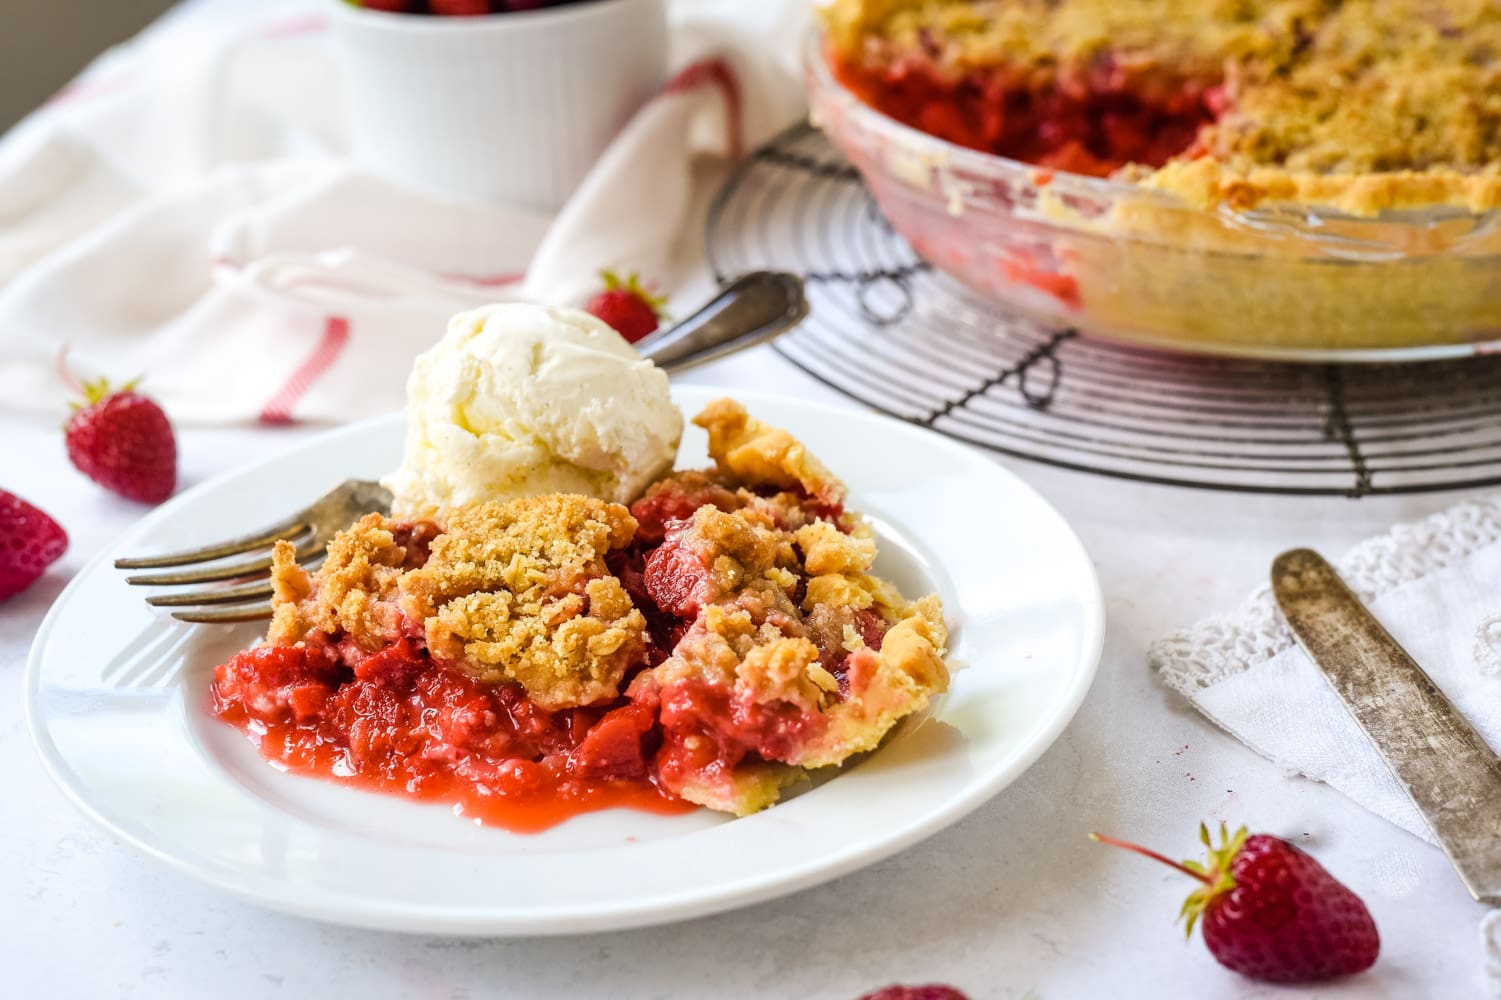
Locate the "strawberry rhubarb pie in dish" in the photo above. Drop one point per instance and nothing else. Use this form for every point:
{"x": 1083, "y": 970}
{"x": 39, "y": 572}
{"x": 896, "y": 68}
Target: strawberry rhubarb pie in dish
{"x": 532, "y": 657}
{"x": 1282, "y": 177}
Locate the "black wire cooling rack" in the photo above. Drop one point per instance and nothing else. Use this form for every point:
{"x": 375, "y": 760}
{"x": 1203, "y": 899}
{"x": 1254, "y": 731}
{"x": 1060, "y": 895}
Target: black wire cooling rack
{"x": 897, "y": 335}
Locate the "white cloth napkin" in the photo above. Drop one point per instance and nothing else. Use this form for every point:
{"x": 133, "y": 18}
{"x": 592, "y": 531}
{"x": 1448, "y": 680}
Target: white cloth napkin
{"x": 183, "y": 211}
{"x": 1434, "y": 584}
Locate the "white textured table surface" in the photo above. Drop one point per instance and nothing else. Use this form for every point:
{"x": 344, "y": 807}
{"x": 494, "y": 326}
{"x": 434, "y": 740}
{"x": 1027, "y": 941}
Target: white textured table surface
{"x": 1012, "y": 902}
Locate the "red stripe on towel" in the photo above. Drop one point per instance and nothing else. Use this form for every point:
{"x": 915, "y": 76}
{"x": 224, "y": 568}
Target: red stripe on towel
{"x": 335, "y": 336}
{"x": 487, "y": 280}
{"x": 719, "y": 73}
{"x": 297, "y": 24}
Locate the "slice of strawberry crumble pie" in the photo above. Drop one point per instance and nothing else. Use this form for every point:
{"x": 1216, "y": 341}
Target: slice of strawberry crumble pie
{"x": 534, "y": 659}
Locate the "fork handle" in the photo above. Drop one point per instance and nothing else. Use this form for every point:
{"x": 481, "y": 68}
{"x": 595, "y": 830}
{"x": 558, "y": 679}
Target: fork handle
{"x": 751, "y": 310}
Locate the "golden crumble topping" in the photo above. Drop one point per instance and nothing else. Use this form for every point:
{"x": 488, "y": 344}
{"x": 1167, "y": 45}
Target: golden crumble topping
{"x": 1362, "y": 105}
{"x": 826, "y": 549}
{"x": 514, "y": 591}
{"x": 353, "y": 591}
{"x": 519, "y": 591}
{"x": 757, "y": 454}
{"x": 1043, "y": 37}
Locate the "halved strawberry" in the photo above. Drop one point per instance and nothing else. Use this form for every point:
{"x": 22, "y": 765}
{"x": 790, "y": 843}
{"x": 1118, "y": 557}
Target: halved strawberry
{"x": 30, "y": 541}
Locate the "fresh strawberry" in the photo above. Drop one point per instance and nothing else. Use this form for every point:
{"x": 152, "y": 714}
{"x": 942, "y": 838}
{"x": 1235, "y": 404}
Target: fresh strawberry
{"x": 124, "y": 442}
{"x": 1272, "y": 912}
{"x": 460, "y": 8}
{"x": 632, "y": 310}
{"x": 389, "y": 6}
{"x": 30, "y": 541}
{"x": 929, "y": 991}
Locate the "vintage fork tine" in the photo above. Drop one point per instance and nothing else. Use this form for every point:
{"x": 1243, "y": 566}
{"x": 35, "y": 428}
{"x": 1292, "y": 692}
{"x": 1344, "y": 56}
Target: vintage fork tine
{"x": 219, "y": 595}
{"x": 294, "y": 525}
{"x": 307, "y": 550}
{"x": 225, "y": 616}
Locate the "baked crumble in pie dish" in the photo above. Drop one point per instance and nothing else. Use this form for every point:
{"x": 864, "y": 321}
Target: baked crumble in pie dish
{"x": 526, "y": 661}
{"x": 1283, "y": 177}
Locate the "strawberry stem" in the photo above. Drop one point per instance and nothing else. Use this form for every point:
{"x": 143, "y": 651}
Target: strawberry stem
{"x": 1153, "y": 855}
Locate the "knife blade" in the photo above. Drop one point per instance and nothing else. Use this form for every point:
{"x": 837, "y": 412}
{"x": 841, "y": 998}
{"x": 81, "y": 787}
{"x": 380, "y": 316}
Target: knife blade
{"x": 1442, "y": 764}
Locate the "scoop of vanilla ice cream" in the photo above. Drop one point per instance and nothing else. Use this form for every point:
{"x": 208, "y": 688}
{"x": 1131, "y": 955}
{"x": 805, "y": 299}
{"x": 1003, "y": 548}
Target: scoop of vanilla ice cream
{"x": 519, "y": 400}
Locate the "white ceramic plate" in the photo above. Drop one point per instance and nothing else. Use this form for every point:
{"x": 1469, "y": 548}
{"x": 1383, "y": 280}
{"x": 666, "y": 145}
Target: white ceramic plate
{"x": 117, "y": 703}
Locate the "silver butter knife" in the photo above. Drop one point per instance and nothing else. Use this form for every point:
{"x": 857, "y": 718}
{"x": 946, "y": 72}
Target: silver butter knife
{"x": 1447, "y": 770}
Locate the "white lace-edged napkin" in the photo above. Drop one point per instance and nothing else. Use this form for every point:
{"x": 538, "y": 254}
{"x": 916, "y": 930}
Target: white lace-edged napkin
{"x": 1436, "y": 586}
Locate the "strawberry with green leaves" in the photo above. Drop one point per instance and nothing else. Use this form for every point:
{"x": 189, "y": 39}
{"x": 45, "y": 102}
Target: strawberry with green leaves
{"x": 1270, "y": 911}
{"x": 123, "y": 441}
{"x": 628, "y": 306}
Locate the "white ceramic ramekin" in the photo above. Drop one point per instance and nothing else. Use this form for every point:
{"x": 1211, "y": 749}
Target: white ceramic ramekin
{"x": 504, "y": 108}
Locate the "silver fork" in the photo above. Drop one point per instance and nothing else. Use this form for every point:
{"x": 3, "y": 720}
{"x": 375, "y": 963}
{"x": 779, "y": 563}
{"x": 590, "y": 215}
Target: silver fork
{"x": 751, "y": 310}
{"x": 309, "y": 529}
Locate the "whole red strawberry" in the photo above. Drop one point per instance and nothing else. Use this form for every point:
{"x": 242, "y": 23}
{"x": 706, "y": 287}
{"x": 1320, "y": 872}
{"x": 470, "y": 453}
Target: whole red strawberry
{"x": 124, "y": 442}
{"x": 30, "y": 541}
{"x": 1271, "y": 912}
{"x": 628, "y": 307}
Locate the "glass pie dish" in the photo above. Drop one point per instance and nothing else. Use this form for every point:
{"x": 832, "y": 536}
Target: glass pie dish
{"x": 1120, "y": 261}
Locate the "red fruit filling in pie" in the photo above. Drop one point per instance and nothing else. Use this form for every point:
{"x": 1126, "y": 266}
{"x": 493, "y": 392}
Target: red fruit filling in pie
{"x": 1094, "y": 125}
{"x": 399, "y": 721}
{"x": 531, "y": 660}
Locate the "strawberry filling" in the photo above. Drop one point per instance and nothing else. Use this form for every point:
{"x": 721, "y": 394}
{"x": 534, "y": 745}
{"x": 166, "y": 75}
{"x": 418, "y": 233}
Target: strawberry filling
{"x": 1093, "y": 125}
{"x": 400, "y": 720}
{"x": 708, "y": 731}
{"x": 676, "y": 578}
